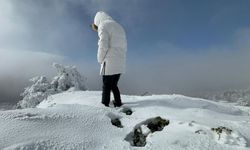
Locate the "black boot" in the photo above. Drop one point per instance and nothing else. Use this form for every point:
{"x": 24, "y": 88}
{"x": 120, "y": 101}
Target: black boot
{"x": 116, "y": 104}
{"x": 107, "y": 105}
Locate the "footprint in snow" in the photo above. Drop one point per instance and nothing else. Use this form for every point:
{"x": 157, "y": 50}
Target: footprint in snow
{"x": 221, "y": 134}
{"x": 39, "y": 117}
{"x": 115, "y": 120}
{"x": 126, "y": 110}
{"x": 28, "y": 116}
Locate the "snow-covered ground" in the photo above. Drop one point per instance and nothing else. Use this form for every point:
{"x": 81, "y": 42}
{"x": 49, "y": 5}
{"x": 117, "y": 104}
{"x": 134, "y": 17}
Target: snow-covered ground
{"x": 77, "y": 120}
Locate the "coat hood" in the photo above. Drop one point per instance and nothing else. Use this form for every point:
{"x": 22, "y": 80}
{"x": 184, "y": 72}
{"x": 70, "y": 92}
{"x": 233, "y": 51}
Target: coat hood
{"x": 100, "y": 17}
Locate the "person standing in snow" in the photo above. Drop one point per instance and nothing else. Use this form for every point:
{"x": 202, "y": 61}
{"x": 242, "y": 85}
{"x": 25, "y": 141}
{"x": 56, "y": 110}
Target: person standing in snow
{"x": 112, "y": 48}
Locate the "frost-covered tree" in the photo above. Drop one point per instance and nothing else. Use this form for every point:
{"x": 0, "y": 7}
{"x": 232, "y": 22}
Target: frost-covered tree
{"x": 34, "y": 94}
{"x": 67, "y": 78}
{"x": 240, "y": 97}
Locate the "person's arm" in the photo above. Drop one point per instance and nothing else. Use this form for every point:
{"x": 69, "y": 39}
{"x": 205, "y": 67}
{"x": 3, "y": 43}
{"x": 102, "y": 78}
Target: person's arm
{"x": 103, "y": 44}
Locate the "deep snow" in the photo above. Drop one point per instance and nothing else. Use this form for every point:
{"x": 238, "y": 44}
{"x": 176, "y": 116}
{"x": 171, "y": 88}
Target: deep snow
{"x": 77, "y": 120}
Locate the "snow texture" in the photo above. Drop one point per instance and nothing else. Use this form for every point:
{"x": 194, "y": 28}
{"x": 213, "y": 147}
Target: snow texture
{"x": 77, "y": 120}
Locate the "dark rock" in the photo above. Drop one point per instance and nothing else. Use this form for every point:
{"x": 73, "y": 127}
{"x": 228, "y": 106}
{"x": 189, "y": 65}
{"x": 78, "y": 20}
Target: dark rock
{"x": 116, "y": 104}
{"x": 116, "y": 122}
{"x": 127, "y": 111}
{"x": 200, "y": 131}
{"x": 139, "y": 139}
{"x": 157, "y": 124}
{"x": 221, "y": 129}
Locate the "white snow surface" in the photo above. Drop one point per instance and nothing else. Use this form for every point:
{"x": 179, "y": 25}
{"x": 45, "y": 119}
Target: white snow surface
{"x": 77, "y": 120}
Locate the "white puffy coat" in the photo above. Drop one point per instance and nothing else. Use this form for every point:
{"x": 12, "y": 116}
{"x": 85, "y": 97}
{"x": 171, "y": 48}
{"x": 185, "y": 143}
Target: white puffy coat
{"x": 112, "y": 45}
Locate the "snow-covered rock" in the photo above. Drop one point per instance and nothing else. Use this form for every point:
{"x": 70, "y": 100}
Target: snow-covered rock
{"x": 77, "y": 120}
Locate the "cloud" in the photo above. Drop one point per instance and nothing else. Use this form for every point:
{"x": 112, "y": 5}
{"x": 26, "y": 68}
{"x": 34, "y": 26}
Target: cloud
{"x": 41, "y": 26}
{"x": 17, "y": 67}
{"x": 28, "y": 63}
{"x": 242, "y": 37}
{"x": 174, "y": 69}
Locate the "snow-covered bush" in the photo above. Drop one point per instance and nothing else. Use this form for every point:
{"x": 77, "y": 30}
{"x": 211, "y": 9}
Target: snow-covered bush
{"x": 240, "y": 97}
{"x": 67, "y": 78}
{"x": 34, "y": 94}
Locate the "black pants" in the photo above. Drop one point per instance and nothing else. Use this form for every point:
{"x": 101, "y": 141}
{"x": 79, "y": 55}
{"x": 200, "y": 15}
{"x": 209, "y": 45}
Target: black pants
{"x": 110, "y": 84}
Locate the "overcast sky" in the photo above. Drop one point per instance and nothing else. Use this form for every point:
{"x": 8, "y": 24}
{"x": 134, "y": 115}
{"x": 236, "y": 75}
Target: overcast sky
{"x": 174, "y": 46}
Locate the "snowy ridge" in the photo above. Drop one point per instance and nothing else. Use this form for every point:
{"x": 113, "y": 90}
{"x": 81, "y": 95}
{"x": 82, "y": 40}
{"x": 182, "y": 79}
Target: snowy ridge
{"x": 77, "y": 120}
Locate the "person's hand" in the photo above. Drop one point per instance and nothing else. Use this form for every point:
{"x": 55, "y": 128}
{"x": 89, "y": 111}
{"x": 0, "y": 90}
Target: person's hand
{"x": 94, "y": 27}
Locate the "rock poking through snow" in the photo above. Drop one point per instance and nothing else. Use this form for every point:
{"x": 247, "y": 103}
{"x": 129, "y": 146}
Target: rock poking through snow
{"x": 142, "y": 130}
{"x": 139, "y": 139}
{"x": 127, "y": 110}
{"x": 116, "y": 122}
{"x": 157, "y": 124}
{"x": 219, "y": 130}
